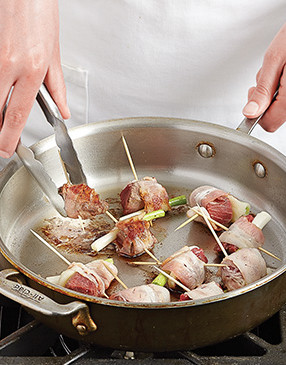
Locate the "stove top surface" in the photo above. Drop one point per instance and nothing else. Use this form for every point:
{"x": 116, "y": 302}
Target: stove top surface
{"x": 23, "y": 341}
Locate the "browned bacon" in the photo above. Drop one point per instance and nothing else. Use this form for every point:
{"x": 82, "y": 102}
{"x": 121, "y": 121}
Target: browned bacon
{"x": 244, "y": 266}
{"x": 134, "y": 236}
{"x": 242, "y": 233}
{"x": 215, "y": 201}
{"x": 185, "y": 266}
{"x": 81, "y": 200}
{"x": 202, "y": 291}
{"x": 150, "y": 293}
{"x": 92, "y": 279}
{"x": 146, "y": 193}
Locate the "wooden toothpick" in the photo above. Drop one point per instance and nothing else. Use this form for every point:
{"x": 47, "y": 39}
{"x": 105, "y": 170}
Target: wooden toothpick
{"x": 111, "y": 216}
{"x": 151, "y": 255}
{"x": 268, "y": 253}
{"x": 51, "y": 247}
{"x": 211, "y": 220}
{"x": 115, "y": 276}
{"x": 171, "y": 278}
{"x": 186, "y": 222}
{"x": 213, "y": 232}
{"x": 129, "y": 157}
{"x": 142, "y": 263}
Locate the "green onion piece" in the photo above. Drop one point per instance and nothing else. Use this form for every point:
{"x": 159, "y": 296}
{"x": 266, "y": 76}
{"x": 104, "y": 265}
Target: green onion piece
{"x": 160, "y": 280}
{"x": 153, "y": 215}
{"x": 178, "y": 200}
{"x": 110, "y": 259}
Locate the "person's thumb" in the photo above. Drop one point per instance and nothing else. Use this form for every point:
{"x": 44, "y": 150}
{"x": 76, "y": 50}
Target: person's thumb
{"x": 258, "y": 101}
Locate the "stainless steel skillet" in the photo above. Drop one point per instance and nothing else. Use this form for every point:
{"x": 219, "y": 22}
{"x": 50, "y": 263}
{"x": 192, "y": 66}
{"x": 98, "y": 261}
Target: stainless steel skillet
{"x": 169, "y": 150}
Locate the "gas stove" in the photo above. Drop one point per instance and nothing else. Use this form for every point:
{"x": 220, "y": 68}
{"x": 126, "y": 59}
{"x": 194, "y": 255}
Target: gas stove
{"x": 25, "y": 341}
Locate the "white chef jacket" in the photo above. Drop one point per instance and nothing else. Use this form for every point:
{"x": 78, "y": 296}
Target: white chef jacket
{"x": 171, "y": 58}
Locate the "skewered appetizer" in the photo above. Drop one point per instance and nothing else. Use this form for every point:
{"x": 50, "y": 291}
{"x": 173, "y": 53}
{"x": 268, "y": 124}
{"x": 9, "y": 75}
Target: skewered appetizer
{"x": 187, "y": 266}
{"x": 219, "y": 205}
{"x": 245, "y": 232}
{"x": 150, "y": 293}
{"x": 92, "y": 279}
{"x": 202, "y": 291}
{"x": 244, "y": 266}
{"x": 145, "y": 193}
{"x": 134, "y": 236}
{"x": 131, "y": 234}
{"x": 81, "y": 200}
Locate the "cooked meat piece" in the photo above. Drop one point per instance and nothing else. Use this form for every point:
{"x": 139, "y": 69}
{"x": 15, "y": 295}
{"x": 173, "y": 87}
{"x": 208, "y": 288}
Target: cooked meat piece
{"x": 146, "y": 193}
{"x": 150, "y": 293}
{"x": 202, "y": 291}
{"x": 81, "y": 200}
{"x": 242, "y": 233}
{"x": 131, "y": 200}
{"x": 215, "y": 201}
{"x": 92, "y": 279}
{"x": 244, "y": 266}
{"x": 134, "y": 235}
{"x": 185, "y": 266}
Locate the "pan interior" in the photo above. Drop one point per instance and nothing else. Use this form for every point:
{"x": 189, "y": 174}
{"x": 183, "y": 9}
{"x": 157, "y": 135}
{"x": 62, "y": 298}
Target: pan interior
{"x": 167, "y": 152}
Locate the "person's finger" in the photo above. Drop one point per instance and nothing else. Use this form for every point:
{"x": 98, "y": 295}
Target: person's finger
{"x": 250, "y": 92}
{"x": 19, "y": 107}
{"x": 275, "y": 116}
{"x": 267, "y": 83}
{"x": 3, "y": 100}
{"x": 54, "y": 82}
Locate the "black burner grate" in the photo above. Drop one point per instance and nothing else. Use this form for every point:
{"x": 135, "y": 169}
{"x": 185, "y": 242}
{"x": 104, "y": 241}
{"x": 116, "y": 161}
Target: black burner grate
{"x": 27, "y": 342}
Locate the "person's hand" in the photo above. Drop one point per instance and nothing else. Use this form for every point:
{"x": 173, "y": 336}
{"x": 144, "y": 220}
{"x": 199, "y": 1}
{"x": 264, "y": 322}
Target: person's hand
{"x": 29, "y": 55}
{"x": 271, "y": 75}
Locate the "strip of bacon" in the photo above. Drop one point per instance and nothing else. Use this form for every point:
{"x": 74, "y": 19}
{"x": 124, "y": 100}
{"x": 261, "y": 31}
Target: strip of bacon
{"x": 215, "y": 201}
{"x": 186, "y": 266}
{"x": 242, "y": 233}
{"x": 244, "y": 266}
{"x": 81, "y": 200}
{"x": 92, "y": 278}
{"x": 202, "y": 291}
{"x": 150, "y": 293}
{"x": 134, "y": 236}
{"x": 146, "y": 193}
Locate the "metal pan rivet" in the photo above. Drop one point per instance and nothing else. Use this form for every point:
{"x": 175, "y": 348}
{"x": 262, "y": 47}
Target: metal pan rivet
{"x": 205, "y": 150}
{"x": 81, "y": 329}
{"x": 259, "y": 169}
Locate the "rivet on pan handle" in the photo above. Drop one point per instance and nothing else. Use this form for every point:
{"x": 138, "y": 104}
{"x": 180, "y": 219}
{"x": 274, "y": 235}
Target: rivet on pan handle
{"x": 247, "y": 125}
{"x": 41, "y": 303}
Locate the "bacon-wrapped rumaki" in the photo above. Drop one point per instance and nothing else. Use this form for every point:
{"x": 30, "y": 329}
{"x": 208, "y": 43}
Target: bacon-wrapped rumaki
{"x": 219, "y": 205}
{"x": 81, "y": 200}
{"x": 134, "y": 236}
{"x": 244, "y": 266}
{"x": 146, "y": 193}
{"x": 92, "y": 278}
{"x": 245, "y": 232}
{"x": 202, "y": 291}
{"x": 150, "y": 293}
{"x": 187, "y": 266}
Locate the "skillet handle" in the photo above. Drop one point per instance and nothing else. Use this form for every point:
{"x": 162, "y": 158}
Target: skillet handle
{"x": 247, "y": 125}
{"x": 37, "y": 301}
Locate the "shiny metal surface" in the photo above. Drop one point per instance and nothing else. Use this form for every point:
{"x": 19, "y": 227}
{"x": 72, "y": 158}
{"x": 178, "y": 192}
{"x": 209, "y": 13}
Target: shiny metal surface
{"x": 63, "y": 140}
{"x": 45, "y": 182}
{"x": 167, "y": 149}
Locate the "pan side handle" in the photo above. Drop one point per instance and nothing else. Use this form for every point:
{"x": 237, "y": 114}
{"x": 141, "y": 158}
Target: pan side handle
{"x": 247, "y": 125}
{"x": 41, "y": 303}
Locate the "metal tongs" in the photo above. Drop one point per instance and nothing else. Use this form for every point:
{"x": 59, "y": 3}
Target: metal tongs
{"x": 67, "y": 153}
